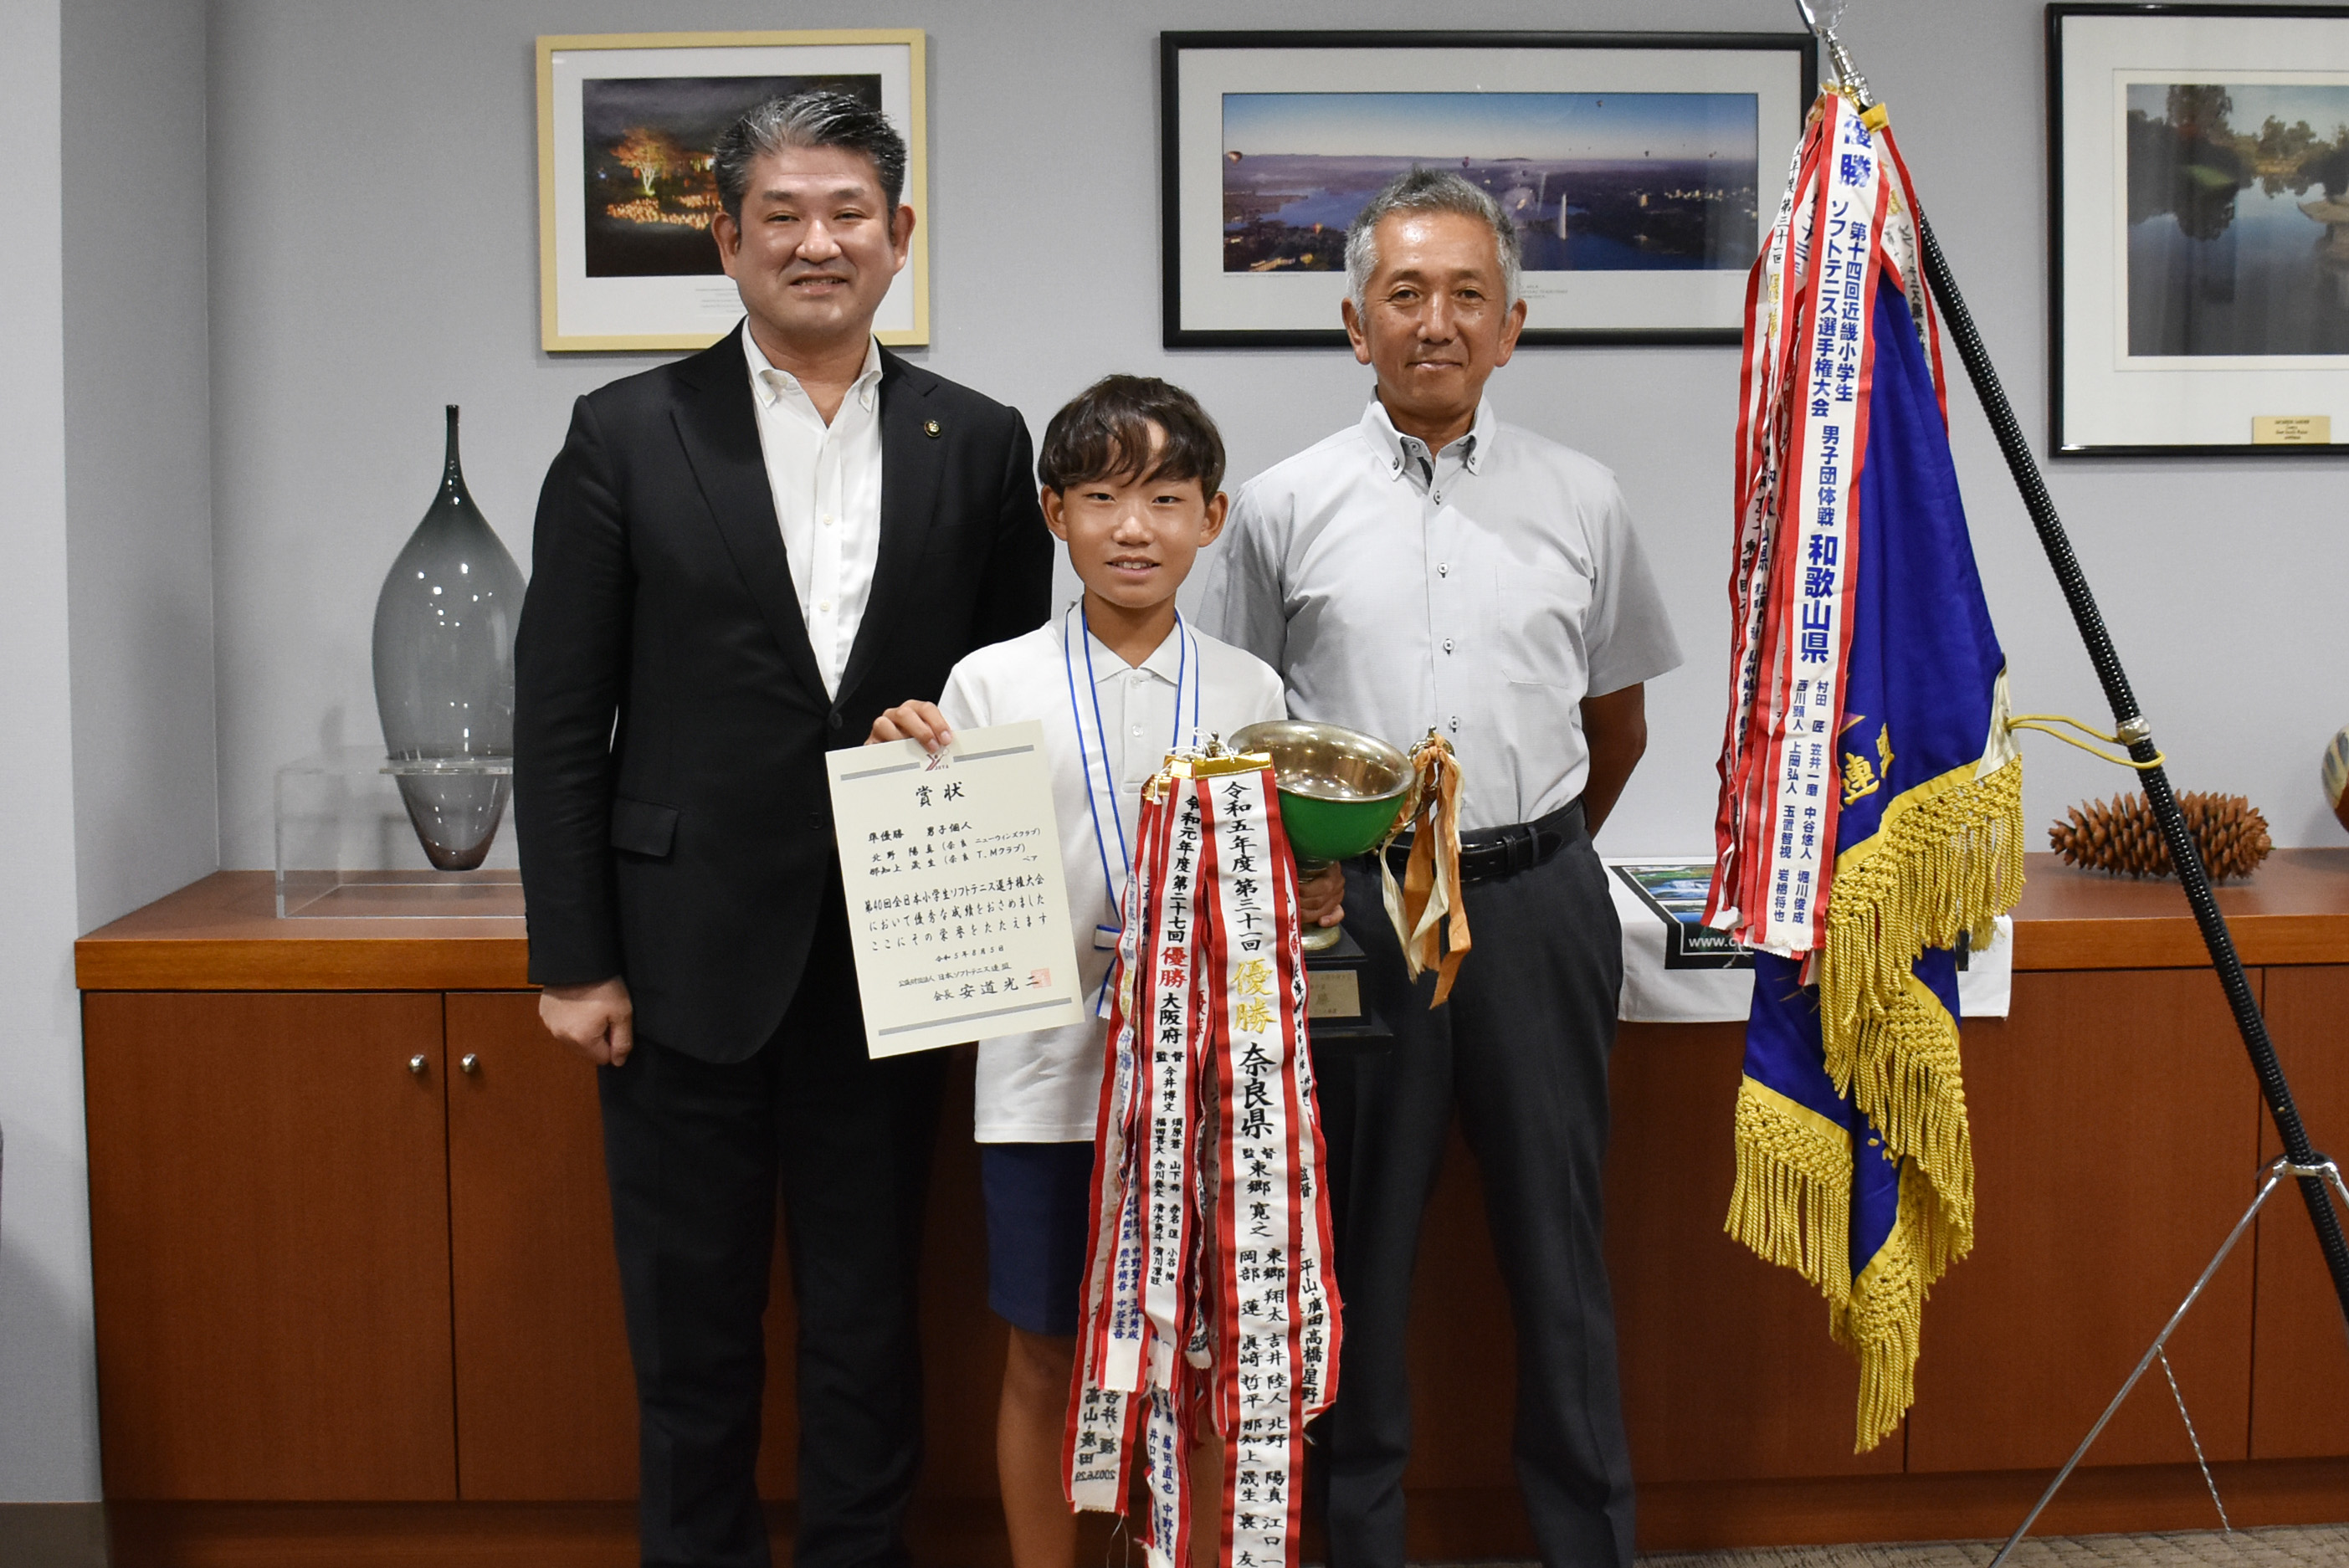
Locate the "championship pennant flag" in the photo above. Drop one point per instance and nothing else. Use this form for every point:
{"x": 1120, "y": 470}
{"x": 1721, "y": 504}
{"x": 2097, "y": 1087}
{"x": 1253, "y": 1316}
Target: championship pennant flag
{"x": 1871, "y": 800}
{"x": 1209, "y": 1281}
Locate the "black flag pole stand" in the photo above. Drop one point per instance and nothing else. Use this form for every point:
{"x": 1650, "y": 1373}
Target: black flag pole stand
{"x": 2301, "y": 1160}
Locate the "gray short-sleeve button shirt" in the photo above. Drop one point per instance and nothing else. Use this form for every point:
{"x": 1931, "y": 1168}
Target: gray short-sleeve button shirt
{"x": 1481, "y": 592}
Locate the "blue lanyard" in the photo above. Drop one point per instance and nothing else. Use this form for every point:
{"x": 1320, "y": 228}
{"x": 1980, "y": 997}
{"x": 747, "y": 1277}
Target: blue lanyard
{"x": 1185, "y": 666}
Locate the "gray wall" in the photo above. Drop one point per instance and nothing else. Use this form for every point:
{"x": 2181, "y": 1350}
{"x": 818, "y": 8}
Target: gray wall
{"x": 107, "y": 711}
{"x": 375, "y": 255}
{"x": 47, "y": 1412}
{"x": 138, "y": 452}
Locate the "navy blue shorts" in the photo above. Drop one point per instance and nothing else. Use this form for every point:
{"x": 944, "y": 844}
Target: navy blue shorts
{"x": 1038, "y": 1203}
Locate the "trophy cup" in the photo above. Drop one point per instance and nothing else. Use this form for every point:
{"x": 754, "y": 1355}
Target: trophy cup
{"x": 1341, "y": 792}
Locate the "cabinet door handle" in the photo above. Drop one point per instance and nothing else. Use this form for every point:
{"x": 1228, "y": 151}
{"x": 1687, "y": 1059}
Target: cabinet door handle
{"x": 415, "y": 1066}
{"x": 470, "y": 1062}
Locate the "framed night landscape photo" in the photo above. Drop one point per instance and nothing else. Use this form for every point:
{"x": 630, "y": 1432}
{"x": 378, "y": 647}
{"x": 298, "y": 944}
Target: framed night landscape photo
{"x": 625, "y": 196}
{"x": 2199, "y": 212}
{"x": 1633, "y": 166}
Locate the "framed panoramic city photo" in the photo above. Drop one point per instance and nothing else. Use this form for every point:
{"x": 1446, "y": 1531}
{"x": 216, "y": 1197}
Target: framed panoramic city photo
{"x": 625, "y": 196}
{"x": 1634, "y": 166}
{"x": 2199, "y": 215}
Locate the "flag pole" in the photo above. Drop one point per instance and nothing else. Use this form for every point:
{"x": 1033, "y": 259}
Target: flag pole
{"x": 2129, "y": 724}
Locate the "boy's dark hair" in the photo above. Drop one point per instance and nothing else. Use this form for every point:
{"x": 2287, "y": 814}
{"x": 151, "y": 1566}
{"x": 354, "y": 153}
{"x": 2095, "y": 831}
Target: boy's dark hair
{"x": 1104, "y": 433}
{"x": 817, "y": 116}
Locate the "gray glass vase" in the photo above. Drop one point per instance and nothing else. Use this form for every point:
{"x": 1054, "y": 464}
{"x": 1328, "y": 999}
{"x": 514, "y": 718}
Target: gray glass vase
{"x": 444, "y": 673}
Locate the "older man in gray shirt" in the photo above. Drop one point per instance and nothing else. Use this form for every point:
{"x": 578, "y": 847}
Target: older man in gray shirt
{"x": 1433, "y": 568}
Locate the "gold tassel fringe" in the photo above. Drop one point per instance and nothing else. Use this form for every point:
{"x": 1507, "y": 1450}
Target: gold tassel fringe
{"x": 1947, "y": 859}
{"x": 1792, "y": 1203}
{"x": 1908, "y": 1079}
{"x": 1881, "y": 1323}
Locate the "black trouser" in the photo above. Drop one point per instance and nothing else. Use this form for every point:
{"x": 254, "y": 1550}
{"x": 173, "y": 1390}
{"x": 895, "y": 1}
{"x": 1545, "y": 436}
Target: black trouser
{"x": 1521, "y": 1047}
{"x": 696, "y": 1153}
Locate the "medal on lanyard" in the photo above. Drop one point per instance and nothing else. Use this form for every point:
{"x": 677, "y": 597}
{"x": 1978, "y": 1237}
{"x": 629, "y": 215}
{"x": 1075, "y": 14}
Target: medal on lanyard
{"x": 1105, "y": 937}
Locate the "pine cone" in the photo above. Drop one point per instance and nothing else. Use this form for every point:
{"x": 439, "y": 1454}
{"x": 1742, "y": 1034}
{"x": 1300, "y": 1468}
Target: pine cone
{"x": 2120, "y": 835}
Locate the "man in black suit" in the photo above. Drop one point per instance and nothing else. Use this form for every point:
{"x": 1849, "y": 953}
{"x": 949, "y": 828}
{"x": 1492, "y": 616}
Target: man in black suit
{"x": 740, "y": 560}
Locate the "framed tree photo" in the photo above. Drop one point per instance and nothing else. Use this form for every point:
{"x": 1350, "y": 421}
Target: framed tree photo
{"x": 625, "y": 196}
{"x": 1634, "y": 166}
{"x": 2198, "y": 210}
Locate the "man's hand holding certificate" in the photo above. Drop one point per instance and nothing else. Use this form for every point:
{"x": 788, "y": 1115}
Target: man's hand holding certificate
{"x": 956, "y": 901}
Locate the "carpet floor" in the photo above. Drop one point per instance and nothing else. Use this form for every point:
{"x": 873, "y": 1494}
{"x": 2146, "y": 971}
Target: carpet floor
{"x": 2296, "y": 1546}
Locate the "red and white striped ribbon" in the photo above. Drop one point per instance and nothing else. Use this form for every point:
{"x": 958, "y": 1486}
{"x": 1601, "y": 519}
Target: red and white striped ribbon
{"x": 1761, "y": 440}
{"x": 1808, "y": 370}
{"x": 1209, "y": 1281}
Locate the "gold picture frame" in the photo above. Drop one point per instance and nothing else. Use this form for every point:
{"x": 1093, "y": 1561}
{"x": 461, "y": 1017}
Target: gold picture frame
{"x": 632, "y": 281}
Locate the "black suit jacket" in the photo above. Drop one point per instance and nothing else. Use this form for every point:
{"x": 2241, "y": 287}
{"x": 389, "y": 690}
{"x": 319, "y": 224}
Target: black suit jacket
{"x": 669, "y": 721}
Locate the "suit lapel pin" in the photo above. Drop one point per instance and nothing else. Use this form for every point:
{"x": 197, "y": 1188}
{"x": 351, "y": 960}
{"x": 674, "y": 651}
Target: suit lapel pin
{"x": 931, "y": 426}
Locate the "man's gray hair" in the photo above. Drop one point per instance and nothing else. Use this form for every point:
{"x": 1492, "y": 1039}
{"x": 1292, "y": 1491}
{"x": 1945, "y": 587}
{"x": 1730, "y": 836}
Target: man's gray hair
{"x": 819, "y": 117}
{"x": 1428, "y": 190}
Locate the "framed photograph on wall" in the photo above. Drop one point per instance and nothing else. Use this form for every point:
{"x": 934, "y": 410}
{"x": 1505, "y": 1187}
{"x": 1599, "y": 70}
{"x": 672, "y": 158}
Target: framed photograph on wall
{"x": 625, "y": 196}
{"x": 2199, "y": 213}
{"x": 1642, "y": 170}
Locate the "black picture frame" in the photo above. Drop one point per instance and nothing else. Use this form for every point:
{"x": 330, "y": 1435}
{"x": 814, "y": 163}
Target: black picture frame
{"x": 2103, "y": 399}
{"x": 1186, "y": 328}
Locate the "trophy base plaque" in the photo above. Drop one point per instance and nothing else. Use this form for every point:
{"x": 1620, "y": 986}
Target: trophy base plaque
{"x": 1336, "y": 1008}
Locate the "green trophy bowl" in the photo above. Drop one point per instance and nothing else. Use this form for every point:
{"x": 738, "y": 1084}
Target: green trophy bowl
{"x": 1340, "y": 792}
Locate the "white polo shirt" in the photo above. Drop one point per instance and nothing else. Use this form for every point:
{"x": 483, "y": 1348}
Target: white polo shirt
{"x": 1044, "y": 1086}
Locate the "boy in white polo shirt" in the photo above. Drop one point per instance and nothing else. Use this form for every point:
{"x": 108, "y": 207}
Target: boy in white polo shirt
{"x": 1130, "y": 471}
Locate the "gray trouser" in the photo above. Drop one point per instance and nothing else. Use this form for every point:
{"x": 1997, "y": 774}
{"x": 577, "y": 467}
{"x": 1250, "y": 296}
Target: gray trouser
{"x": 1521, "y": 1047}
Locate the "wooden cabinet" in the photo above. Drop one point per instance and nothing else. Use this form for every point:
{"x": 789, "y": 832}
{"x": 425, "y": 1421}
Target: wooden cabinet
{"x": 542, "y": 1377}
{"x": 2300, "y": 1380}
{"x": 269, "y": 1215}
{"x": 2115, "y": 1126}
{"x": 1706, "y": 1326}
{"x": 321, "y": 1266}
{"x": 324, "y": 1279}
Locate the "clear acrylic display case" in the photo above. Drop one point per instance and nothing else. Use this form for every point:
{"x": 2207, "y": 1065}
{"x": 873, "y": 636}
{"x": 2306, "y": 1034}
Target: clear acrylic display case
{"x": 346, "y": 848}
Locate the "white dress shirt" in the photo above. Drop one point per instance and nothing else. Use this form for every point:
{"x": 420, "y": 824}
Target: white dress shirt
{"x": 1481, "y": 592}
{"x": 826, "y": 480}
{"x": 1044, "y": 1086}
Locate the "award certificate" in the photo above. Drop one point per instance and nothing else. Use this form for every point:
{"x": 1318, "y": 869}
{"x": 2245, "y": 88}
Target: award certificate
{"x": 952, "y": 866}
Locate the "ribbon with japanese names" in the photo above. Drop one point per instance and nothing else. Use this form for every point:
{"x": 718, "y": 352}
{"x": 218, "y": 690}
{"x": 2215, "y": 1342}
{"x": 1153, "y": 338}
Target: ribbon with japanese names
{"x": 1208, "y": 1278}
{"x": 1801, "y": 428}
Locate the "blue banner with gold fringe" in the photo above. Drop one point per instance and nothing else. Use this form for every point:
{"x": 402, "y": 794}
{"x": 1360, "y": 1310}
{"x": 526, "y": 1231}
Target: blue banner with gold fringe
{"x": 1854, "y": 1164}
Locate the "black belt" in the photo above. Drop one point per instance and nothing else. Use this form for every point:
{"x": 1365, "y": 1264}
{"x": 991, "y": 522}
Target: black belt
{"x": 1490, "y": 853}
